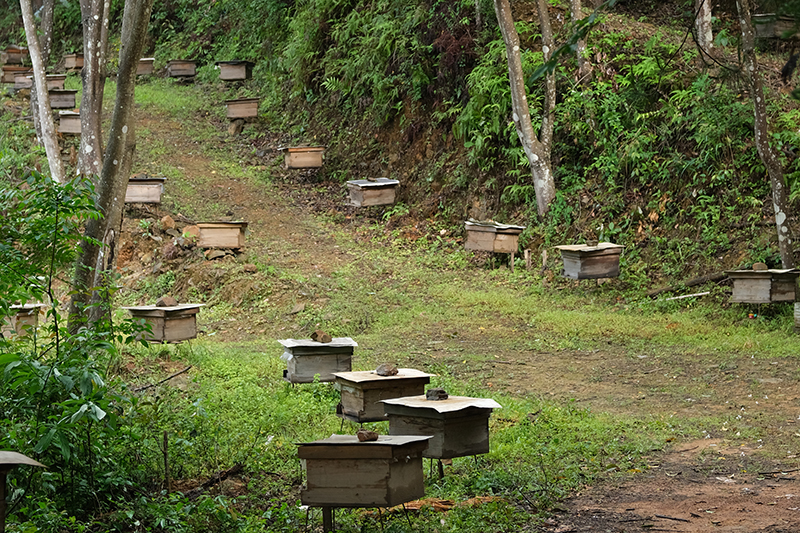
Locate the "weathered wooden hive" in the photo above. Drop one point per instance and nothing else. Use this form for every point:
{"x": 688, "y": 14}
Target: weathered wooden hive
{"x": 14, "y": 55}
{"x": 764, "y": 286}
{"x": 242, "y": 108}
{"x": 362, "y": 392}
{"x": 73, "y": 61}
{"x": 69, "y": 122}
{"x": 24, "y": 319}
{"x": 168, "y": 324}
{"x": 55, "y": 81}
{"x": 23, "y": 81}
{"x": 582, "y": 261}
{"x": 145, "y": 66}
{"x": 772, "y": 26}
{"x": 364, "y": 193}
{"x": 235, "y": 70}
{"x": 221, "y": 234}
{"x": 303, "y": 156}
{"x": 62, "y": 98}
{"x": 343, "y": 472}
{"x": 10, "y": 73}
{"x": 181, "y": 68}
{"x": 459, "y": 425}
{"x": 306, "y": 358}
{"x": 492, "y": 236}
{"x": 144, "y": 189}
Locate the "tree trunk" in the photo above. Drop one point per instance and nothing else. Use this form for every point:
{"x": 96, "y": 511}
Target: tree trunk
{"x": 95, "y": 261}
{"x": 765, "y": 151}
{"x": 94, "y": 15}
{"x": 48, "y": 136}
{"x": 702, "y": 24}
{"x": 478, "y": 21}
{"x": 45, "y": 45}
{"x": 576, "y": 11}
{"x": 536, "y": 149}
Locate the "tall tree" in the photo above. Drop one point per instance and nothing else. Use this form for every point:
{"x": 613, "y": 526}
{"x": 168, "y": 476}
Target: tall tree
{"x": 575, "y": 9}
{"x": 702, "y": 25}
{"x": 537, "y": 149}
{"x": 48, "y": 128}
{"x": 100, "y": 236}
{"x": 765, "y": 150}
{"x": 94, "y": 18}
{"x": 45, "y": 45}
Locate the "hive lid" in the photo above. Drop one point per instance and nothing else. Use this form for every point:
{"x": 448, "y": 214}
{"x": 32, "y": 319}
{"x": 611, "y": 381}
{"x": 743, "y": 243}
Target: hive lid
{"x": 63, "y": 91}
{"x": 181, "y": 61}
{"x": 587, "y": 248}
{"x": 352, "y": 440}
{"x": 241, "y": 100}
{"x": 221, "y": 223}
{"x": 170, "y": 308}
{"x": 147, "y": 59}
{"x": 380, "y": 182}
{"x": 69, "y": 113}
{"x": 145, "y": 178}
{"x": 760, "y": 273}
{"x": 371, "y": 375}
{"x": 302, "y": 149}
{"x": 235, "y": 62}
{"x": 491, "y": 224}
{"x": 26, "y": 307}
{"x": 453, "y": 403}
{"x": 16, "y": 458}
{"x": 336, "y": 342}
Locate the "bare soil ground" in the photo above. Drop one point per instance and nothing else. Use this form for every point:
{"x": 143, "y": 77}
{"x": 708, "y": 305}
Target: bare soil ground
{"x": 703, "y": 485}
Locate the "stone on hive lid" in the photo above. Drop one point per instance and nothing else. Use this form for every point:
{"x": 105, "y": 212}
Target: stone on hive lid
{"x": 386, "y": 369}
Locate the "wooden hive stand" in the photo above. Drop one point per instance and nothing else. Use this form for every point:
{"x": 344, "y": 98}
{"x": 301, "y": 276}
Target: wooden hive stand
{"x": 168, "y": 324}
{"x": 14, "y": 55}
{"x": 303, "y": 156}
{"x": 235, "y": 70}
{"x": 365, "y": 193}
{"x": 145, "y": 66}
{"x": 243, "y": 108}
{"x": 181, "y": 68}
{"x": 583, "y": 261}
{"x": 772, "y": 26}
{"x": 341, "y": 471}
{"x": 459, "y": 425}
{"x": 23, "y": 81}
{"x": 222, "y": 234}
{"x": 24, "y": 319}
{"x": 69, "y": 122}
{"x": 306, "y": 359}
{"x": 73, "y": 62}
{"x": 490, "y": 236}
{"x": 362, "y": 392}
{"x": 9, "y": 461}
{"x": 764, "y": 286}
{"x": 10, "y": 73}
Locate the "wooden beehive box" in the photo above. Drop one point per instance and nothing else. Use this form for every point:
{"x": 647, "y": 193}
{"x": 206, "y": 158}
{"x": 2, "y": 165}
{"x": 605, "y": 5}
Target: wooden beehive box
{"x": 15, "y": 55}
{"x": 364, "y": 193}
{"x": 73, "y": 61}
{"x": 221, "y": 234}
{"x": 362, "y": 392}
{"x": 303, "y": 156}
{"x": 582, "y": 261}
{"x": 10, "y": 73}
{"x": 306, "y": 359}
{"x": 343, "y": 472}
{"x": 24, "y": 319}
{"x": 69, "y": 122}
{"x": 62, "y": 98}
{"x": 771, "y": 26}
{"x": 242, "y": 108}
{"x": 144, "y": 190}
{"x": 235, "y": 70}
{"x": 763, "y": 286}
{"x": 492, "y": 237}
{"x": 23, "y": 81}
{"x": 168, "y": 324}
{"x": 145, "y": 66}
{"x": 181, "y": 68}
{"x": 459, "y": 425}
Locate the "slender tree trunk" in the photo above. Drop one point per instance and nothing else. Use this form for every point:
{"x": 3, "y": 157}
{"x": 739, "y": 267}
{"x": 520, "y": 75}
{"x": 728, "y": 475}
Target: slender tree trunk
{"x": 48, "y": 137}
{"x": 45, "y": 45}
{"x": 95, "y": 261}
{"x": 765, "y": 150}
{"x": 536, "y": 149}
{"x": 702, "y": 24}
{"x": 478, "y": 21}
{"x": 94, "y": 15}
{"x": 576, "y": 11}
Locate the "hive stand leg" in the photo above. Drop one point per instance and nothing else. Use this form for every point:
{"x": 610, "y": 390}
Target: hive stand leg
{"x": 2, "y": 502}
{"x": 408, "y": 518}
{"x": 327, "y": 519}
{"x": 441, "y": 469}
{"x": 511, "y": 262}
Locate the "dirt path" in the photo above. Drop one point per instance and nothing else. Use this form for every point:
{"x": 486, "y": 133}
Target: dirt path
{"x": 701, "y": 486}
